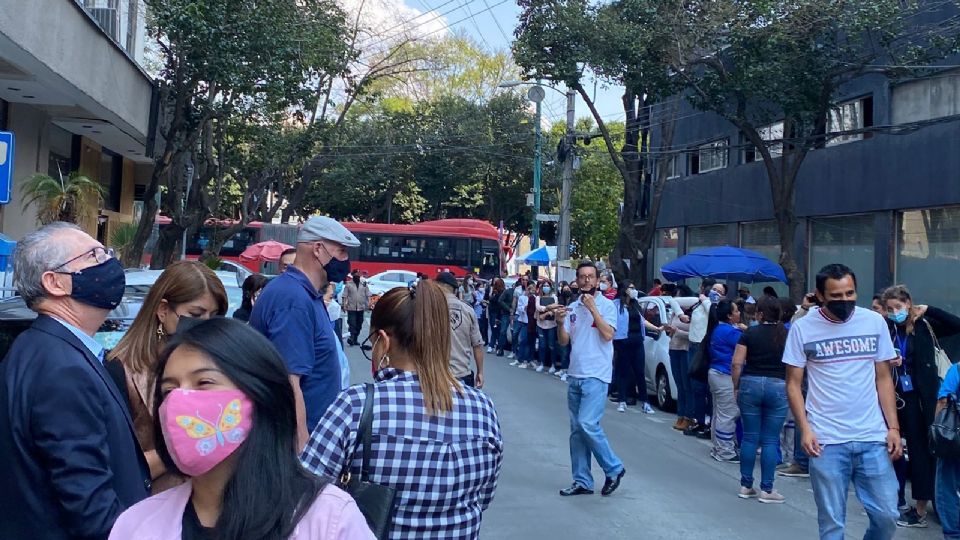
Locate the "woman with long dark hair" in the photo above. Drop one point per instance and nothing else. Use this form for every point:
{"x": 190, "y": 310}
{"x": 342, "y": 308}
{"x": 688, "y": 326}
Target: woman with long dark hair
{"x": 434, "y": 440}
{"x": 759, "y": 381}
{"x": 186, "y": 289}
{"x": 914, "y": 329}
{"x": 495, "y": 313}
{"x": 629, "y": 356}
{"x": 226, "y": 419}
{"x": 723, "y": 334}
{"x": 252, "y": 285}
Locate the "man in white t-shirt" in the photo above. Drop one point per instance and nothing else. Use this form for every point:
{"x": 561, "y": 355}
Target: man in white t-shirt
{"x": 588, "y": 324}
{"x": 849, "y": 424}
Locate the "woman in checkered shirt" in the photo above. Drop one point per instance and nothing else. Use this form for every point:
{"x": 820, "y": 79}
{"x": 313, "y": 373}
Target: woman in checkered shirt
{"x": 435, "y": 441}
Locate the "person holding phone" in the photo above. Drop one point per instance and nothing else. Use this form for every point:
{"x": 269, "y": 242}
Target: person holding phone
{"x": 851, "y": 432}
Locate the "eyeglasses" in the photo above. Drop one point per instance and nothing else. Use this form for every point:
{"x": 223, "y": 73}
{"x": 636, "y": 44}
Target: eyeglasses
{"x": 101, "y": 254}
{"x": 367, "y": 348}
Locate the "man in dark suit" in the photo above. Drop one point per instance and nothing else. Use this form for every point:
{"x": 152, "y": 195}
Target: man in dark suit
{"x": 72, "y": 463}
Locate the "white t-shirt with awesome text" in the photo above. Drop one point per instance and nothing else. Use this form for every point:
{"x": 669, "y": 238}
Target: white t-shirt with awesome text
{"x": 591, "y": 356}
{"x": 842, "y": 401}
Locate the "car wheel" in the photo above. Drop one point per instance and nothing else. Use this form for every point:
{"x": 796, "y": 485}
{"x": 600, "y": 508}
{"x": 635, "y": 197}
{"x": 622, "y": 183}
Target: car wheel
{"x": 664, "y": 399}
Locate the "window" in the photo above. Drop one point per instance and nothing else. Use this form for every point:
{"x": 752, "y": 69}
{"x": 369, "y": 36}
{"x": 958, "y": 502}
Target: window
{"x": 706, "y": 236}
{"x": 673, "y": 167}
{"x": 763, "y": 238}
{"x": 710, "y": 157}
{"x": 928, "y": 253}
{"x": 848, "y": 240}
{"x": 849, "y": 116}
{"x": 925, "y": 99}
{"x": 665, "y": 249}
{"x": 772, "y": 132}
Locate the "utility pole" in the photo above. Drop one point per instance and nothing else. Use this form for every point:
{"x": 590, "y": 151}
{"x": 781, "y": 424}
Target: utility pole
{"x": 563, "y": 244}
{"x": 536, "y": 95}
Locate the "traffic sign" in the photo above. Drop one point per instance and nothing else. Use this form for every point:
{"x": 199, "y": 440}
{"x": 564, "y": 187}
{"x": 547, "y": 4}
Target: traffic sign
{"x": 548, "y": 217}
{"x": 6, "y": 166}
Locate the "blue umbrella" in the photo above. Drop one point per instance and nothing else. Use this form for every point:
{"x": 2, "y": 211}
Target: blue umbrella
{"x": 724, "y": 263}
{"x": 541, "y": 256}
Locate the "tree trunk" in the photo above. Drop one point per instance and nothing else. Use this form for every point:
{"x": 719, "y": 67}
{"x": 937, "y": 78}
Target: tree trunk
{"x": 623, "y": 257}
{"x": 167, "y": 249}
{"x": 219, "y": 239}
{"x": 134, "y": 255}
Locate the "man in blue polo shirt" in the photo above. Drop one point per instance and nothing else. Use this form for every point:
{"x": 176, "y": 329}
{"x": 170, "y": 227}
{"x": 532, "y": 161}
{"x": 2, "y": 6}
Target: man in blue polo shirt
{"x": 291, "y": 313}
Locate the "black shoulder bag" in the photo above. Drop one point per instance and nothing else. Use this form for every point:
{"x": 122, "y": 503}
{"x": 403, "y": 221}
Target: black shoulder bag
{"x": 945, "y": 430}
{"x": 376, "y": 502}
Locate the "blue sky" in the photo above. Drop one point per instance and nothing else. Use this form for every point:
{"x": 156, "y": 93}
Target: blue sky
{"x": 491, "y": 23}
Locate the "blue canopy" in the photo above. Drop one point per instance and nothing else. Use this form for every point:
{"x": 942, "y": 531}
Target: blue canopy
{"x": 724, "y": 263}
{"x": 541, "y": 256}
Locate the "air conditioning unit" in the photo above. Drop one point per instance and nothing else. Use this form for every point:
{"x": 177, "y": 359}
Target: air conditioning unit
{"x": 108, "y": 19}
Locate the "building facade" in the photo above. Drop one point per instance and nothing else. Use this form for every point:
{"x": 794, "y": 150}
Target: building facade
{"x": 886, "y": 205}
{"x": 74, "y": 94}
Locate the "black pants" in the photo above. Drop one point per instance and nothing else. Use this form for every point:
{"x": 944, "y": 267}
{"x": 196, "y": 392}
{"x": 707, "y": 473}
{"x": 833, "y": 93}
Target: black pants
{"x": 923, "y": 466}
{"x": 482, "y": 321}
{"x": 469, "y": 380}
{"x": 355, "y": 323}
{"x": 629, "y": 360}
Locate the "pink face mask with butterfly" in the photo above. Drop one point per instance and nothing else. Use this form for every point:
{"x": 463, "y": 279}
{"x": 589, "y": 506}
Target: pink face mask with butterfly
{"x": 202, "y": 428}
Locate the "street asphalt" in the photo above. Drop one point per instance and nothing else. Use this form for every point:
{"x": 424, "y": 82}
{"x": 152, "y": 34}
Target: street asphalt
{"x": 672, "y": 490}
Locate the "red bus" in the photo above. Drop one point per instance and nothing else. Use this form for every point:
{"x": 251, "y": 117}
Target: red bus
{"x": 456, "y": 245}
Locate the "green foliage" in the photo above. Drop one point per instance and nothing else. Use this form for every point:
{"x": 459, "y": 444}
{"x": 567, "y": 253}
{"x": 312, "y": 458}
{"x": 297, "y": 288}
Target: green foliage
{"x": 213, "y": 263}
{"x": 122, "y": 237}
{"x": 597, "y": 192}
{"x": 61, "y": 199}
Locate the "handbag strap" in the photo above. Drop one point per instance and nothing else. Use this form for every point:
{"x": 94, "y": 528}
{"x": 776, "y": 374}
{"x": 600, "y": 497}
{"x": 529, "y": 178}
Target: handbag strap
{"x": 363, "y": 437}
{"x": 365, "y": 434}
{"x": 936, "y": 342}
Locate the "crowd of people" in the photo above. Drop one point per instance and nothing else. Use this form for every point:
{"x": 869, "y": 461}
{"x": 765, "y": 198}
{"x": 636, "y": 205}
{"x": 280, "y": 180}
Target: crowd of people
{"x": 199, "y": 426}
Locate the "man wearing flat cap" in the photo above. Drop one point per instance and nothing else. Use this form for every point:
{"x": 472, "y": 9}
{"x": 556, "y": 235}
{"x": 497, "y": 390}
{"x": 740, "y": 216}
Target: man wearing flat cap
{"x": 291, "y": 313}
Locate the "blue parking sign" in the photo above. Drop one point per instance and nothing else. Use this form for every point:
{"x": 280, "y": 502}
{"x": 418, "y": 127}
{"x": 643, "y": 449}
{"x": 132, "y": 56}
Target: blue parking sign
{"x": 6, "y": 166}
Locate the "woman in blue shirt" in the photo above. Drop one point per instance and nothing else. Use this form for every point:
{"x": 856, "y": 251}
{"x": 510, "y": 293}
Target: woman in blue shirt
{"x": 948, "y": 468}
{"x": 723, "y": 334}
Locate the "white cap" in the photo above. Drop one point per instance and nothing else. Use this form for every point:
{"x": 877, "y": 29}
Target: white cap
{"x": 325, "y": 228}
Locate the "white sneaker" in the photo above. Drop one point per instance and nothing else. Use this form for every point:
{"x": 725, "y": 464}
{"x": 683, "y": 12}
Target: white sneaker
{"x": 489, "y": 350}
{"x": 648, "y": 409}
{"x": 523, "y": 365}
{"x": 540, "y": 368}
{"x": 511, "y": 355}
{"x": 747, "y": 493}
{"x": 771, "y": 497}
{"x": 552, "y": 370}
{"x": 515, "y": 363}
{"x": 622, "y": 407}
{"x": 563, "y": 378}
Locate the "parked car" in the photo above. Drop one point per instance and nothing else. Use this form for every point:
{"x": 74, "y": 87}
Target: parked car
{"x": 656, "y": 346}
{"x": 380, "y": 283}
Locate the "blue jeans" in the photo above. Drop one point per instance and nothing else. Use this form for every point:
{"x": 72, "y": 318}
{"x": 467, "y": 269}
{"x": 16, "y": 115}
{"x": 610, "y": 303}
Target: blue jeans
{"x": 504, "y": 328}
{"x": 763, "y": 409}
{"x": 702, "y": 399}
{"x": 948, "y": 501}
{"x": 869, "y": 466}
{"x": 586, "y": 399}
{"x": 521, "y": 345}
{"x": 680, "y": 365}
{"x": 547, "y": 348}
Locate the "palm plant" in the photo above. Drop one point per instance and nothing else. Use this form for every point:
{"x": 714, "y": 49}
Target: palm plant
{"x": 122, "y": 236}
{"x": 63, "y": 199}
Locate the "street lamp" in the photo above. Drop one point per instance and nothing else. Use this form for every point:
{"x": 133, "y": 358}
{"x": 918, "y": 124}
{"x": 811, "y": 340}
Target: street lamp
{"x": 536, "y": 94}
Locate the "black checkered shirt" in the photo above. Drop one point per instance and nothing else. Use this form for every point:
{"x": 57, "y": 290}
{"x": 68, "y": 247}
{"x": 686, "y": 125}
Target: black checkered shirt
{"x": 444, "y": 467}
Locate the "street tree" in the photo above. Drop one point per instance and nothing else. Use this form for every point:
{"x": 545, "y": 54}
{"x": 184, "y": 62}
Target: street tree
{"x": 774, "y": 68}
{"x": 621, "y": 43}
{"x": 219, "y": 57}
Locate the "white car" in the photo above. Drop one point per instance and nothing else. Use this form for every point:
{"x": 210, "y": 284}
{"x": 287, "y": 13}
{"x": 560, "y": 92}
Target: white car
{"x": 380, "y": 283}
{"x": 656, "y": 346}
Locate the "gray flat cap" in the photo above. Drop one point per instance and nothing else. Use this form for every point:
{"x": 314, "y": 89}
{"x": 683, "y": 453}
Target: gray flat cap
{"x": 325, "y": 228}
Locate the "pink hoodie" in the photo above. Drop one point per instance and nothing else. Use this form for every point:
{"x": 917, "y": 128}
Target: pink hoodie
{"x": 332, "y": 516}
